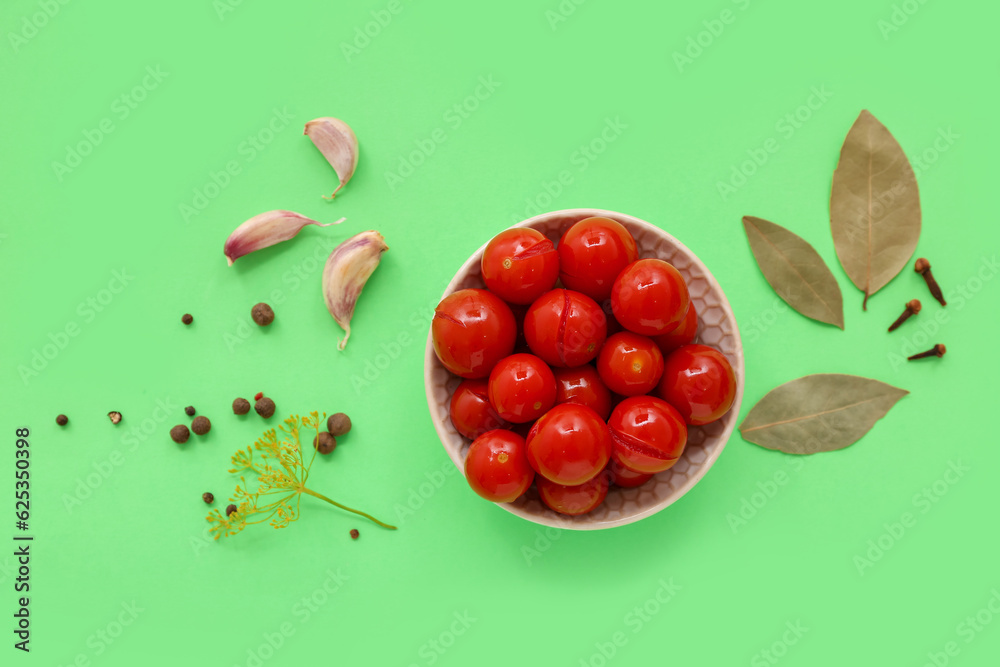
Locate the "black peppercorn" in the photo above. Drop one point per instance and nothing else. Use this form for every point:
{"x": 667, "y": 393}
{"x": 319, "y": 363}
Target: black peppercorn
{"x": 115, "y": 416}
{"x": 338, "y": 424}
{"x": 230, "y": 509}
{"x": 262, "y": 314}
{"x": 189, "y": 411}
{"x": 354, "y": 533}
{"x": 264, "y": 407}
{"x": 180, "y": 434}
{"x": 324, "y": 443}
{"x": 201, "y": 425}
{"x": 241, "y": 406}
{"x": 187, "y": 319}
{"x": 62, "y": 420}
{"x": 208, "y": 498}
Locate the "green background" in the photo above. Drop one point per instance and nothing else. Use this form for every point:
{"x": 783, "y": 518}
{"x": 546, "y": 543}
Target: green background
{"x": 136, "y": 535}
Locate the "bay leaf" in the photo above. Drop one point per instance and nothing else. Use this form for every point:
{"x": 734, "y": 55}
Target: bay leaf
{"x": 795, "y": 271}
{"x": 818, "y": 413}
{"x": 874, "y": 206}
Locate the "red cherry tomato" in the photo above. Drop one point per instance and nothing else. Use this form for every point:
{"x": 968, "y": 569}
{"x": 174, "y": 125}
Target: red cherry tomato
{"x": 683, "y": 334}
{"x": 565, "y": 328}
{"x": 630, "y": 364}
{"x": 591, "y": 255}
{"x": 625, "y": 478}
{"x": 650, "y": 297}
{"x": 699, "y": 381}
{"x": 583, "y": 385}
{"x": 649, "y": 434}
{"x": 472, "y": 331}
{"x": 522, "y": 388}
{"x": 471, "y": 412}
{"x": 569, "y": 445}
{"x": 573, "y": 500}
{"x": 519, "y": 265}
{"x": 497, "y": 468}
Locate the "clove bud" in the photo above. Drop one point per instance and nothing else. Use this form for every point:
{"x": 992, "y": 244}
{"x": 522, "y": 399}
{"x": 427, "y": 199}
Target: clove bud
{"x": 345, "y": 274}
{"x": 912, "y": 308}
{"x": 336, "y": 141}
{"x": 266, "y": 229}
{"x": 923, "y": 267}
{"x": 936, "y": 351}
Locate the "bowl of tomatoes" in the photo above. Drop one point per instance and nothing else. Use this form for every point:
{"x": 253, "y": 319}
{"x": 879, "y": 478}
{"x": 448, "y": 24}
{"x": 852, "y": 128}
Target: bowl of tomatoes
{"x": 583, "y": 369}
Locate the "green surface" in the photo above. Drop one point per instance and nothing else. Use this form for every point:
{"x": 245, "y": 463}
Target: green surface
{"x": 136, "y": 536}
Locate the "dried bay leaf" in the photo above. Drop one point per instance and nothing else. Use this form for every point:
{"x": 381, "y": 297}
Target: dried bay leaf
{"x": 795, "y": 270}
{"x": 874, "y": 206}
{"x": 818, "y": 413}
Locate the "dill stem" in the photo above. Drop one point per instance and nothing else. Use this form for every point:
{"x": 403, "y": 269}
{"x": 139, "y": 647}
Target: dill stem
{"x": 349, "y": 509}
{"x": 274, "y": 510}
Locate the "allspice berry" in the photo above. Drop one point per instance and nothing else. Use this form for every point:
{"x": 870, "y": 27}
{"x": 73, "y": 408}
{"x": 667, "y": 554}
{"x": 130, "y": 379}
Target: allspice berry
{"x": 208, "y": 498}
{"x": 180, "y": 434}
{"x": 189, "y": 411}
{"x": 230, "y": 509}
{"x": 262, "y": 314}
{"x": 62, "y": 420}
{"x": 354, "y": 533}
{"x": 324, "y": 443}
{"x": 241, "y": 406}
{"x": 338, "y": 424}
{"x": 264, "y": 407}
{"x": 187, "y": 319}
{"x": 201, "y": 425}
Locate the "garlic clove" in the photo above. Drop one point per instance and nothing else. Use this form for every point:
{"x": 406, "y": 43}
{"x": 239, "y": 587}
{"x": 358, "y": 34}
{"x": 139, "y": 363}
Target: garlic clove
{"x": 336, "y": 141}
{"x": 265, "y": 230}
{"x": 345, "y": 274}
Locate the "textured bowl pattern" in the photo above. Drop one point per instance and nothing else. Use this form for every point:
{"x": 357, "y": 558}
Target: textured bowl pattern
{"x": 717, "y": 327}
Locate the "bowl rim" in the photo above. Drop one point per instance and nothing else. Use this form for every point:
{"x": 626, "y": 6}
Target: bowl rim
{"x": 736, "y": 356}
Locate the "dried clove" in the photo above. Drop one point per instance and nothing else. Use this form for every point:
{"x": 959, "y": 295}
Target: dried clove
{"x": 936, "y": 351}
{"x": 923, "y": 267}
{"x": 912, "y": 308}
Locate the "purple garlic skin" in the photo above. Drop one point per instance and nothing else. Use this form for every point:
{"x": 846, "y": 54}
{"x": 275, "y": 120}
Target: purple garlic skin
{"x": 266, "y": 229}
{"x": 345, "y": 274}
{"x": 336, "y": 141}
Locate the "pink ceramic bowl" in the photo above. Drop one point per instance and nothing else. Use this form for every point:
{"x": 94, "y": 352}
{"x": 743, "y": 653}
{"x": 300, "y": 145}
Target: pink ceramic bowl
{"x": 717, "y": 327}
